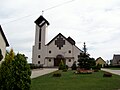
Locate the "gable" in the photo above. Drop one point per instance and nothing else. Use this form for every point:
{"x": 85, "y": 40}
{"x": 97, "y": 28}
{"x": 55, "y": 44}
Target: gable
{"x": 61, "y": 40}
{"x": 100, "y": 60}
{"x": 3, "y": 35}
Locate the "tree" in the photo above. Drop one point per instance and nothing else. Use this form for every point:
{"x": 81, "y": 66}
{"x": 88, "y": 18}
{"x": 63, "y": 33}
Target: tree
{"x": 1, "y": 56}
{"x": 84, "y": 59}
{"x": 9, "y": 56}
{"x": 15, "y": 72}
{"x": 21, "y": 73}
{"x": 74, "y": 67}
{"x": 5, "y": 72}
{"x": 61, "y": 65}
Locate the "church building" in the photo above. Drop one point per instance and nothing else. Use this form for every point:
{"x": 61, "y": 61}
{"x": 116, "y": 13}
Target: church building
{"x": 59, "y": 48}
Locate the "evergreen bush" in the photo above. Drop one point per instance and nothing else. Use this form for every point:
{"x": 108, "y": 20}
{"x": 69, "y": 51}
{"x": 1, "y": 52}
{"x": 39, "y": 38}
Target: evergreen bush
{"x": 107, "y": 74}
{"x": 57, "y": 74}
{"x": 74, "y": 67}
{"x": 61, "y": 65}
{"x": 15, "y": 73}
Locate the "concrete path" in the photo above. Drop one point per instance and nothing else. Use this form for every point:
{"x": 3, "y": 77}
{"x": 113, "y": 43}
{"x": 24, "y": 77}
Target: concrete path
{"x": 117, "y": 72}
{"x": 40, "y": 72}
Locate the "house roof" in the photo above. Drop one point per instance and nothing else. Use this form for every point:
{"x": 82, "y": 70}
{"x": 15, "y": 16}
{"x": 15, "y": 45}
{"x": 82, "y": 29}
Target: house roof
{"x": 40, "y": 19}
{"x": 3, "y": 35}
{"x": 116, "y": 57}
{"x": 69, "y": 39}
{"x": 100, "y": 59}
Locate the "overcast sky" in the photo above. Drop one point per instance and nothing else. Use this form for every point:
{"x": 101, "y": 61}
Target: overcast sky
{"x": 96, "y": 22}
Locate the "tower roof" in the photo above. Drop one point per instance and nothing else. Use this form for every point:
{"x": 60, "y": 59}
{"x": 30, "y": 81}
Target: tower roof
{"x": 3, "y": 35}
{"x": 40, "y": 20}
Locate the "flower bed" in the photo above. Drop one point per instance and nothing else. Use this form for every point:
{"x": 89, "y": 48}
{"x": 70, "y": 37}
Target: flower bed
{"x": 82, "y": 71}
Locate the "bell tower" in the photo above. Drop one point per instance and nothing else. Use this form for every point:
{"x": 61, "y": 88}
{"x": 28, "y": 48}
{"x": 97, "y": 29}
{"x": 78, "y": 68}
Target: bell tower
{"x": 40, "y": 37}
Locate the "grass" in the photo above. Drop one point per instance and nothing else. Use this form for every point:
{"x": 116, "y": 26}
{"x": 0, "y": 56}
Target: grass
{"x": 71, "y": 81}
{"x": 114, "y": 68}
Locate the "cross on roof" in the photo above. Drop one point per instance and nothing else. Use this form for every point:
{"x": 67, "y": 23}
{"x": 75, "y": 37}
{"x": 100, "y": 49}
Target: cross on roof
{"x": 59, "y": 42}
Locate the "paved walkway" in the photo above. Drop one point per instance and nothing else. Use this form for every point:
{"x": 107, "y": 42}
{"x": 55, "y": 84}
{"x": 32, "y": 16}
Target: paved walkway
{"x": 117, "y": 72}
{"x": 40, "y": 72}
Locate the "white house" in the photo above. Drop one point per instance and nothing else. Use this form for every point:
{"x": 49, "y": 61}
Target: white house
{"x": 59, "y": 48}
{"x": 3, "y": 42}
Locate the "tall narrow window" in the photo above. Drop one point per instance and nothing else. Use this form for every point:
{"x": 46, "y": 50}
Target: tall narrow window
{"x": 39, "y": 47}
{"x": 40, "y": 35}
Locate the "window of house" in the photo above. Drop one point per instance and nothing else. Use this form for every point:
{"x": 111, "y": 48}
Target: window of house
{"x": 49, "y": 51}
{"x": 38, "y": 62}
{"x": 38, "y": 56}
{"x": 69, "y": 60}
{"x": 49, "y": 60}
{"x": 69, "y": 51}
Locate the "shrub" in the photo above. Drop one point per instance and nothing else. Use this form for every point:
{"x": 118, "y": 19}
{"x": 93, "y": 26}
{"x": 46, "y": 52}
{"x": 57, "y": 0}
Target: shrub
{"x": 21, "y": 73}
{"x": 95, "y": 68}
{"x": 74, "y": 67}
{"x": 57, "y": 74}
{"x": 107, "y": 74}
{"x": 35, "y": 66}
{"x": 99, "y": 66}
{"x": 15, "y": 73}
{"x": 61, "y": 65}
{"x": 6, "y": 78}
{"x": 64, "y": 70}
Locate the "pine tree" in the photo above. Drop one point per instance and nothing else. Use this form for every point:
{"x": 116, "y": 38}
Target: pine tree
{"x": 85, "y": 62}
{"x": 9, "y": 56}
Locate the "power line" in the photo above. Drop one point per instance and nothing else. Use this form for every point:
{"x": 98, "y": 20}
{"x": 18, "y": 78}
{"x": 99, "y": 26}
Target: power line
{"x": 59, "y": 5}
{"x": 39, "y": 12}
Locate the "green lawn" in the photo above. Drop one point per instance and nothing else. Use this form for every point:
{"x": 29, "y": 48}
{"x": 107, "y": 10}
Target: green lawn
{"x": 114, "y": 68}
{"x": 71, "y": 81}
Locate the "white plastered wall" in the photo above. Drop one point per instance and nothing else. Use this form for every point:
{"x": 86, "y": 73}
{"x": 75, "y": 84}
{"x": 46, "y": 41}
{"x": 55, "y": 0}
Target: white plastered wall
{"x": 2, "y": 46}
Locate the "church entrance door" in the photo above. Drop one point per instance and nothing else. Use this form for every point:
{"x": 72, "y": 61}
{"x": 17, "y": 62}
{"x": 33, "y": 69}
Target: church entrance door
{"x": 58, "y": 59}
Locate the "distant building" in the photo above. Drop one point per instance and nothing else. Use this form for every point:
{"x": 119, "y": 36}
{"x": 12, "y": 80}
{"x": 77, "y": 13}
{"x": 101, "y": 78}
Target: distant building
{"x": 100, "y": 61}
{"x": 59, "y": 48}
{"x": 3, "y": 42}
{"x": 116, "y": 60}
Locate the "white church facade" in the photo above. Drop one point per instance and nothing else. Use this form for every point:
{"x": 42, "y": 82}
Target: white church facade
{"x": 59, "y": 48}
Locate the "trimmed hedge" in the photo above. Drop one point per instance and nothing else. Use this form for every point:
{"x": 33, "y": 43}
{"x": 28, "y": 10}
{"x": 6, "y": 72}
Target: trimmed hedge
{"x": 107, "y": 74}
